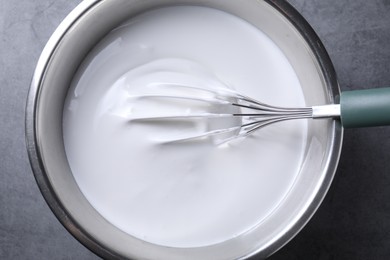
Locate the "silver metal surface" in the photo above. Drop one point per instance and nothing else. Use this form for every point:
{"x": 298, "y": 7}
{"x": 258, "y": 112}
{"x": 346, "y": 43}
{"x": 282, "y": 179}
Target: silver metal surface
{"x": 327, "y": 111}
{"x": 67, "y": 48}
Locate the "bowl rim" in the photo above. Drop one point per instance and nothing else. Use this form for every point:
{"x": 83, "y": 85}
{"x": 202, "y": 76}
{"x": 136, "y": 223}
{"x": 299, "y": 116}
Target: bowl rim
{"x": 35, "y": 155}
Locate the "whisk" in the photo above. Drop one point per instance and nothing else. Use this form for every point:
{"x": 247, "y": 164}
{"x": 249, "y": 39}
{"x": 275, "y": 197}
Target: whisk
{"x": 358, "y": 108}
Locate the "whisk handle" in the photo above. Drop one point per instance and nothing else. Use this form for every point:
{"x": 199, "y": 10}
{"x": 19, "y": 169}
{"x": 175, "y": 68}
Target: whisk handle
{"x": 364, "y": 108}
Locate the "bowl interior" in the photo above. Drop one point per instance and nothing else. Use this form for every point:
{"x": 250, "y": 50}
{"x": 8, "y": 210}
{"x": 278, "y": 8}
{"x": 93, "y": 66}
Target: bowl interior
{"x": 72, "y": 41}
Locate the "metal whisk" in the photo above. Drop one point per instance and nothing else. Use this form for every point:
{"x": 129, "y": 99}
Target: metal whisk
{"x": 254, "y": 114}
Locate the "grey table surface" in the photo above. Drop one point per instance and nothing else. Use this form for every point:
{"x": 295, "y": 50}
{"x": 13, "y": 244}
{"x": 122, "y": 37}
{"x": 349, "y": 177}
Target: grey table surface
{"x": 353, "y": 222}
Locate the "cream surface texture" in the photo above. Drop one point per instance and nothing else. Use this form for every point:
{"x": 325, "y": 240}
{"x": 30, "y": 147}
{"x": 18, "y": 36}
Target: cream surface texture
{"x": 181, "y": 194}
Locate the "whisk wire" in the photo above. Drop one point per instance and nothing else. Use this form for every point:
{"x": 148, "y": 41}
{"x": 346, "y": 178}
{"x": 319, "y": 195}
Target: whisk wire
{"x": 254, "y": 114}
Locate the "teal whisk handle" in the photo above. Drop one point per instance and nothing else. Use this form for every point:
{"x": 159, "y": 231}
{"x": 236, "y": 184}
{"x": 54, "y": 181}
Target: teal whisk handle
{"x": 364, "y": 108}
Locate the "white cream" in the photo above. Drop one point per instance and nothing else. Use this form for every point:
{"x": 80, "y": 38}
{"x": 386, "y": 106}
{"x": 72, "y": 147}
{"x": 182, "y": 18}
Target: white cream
{"x": 186, "y": 194}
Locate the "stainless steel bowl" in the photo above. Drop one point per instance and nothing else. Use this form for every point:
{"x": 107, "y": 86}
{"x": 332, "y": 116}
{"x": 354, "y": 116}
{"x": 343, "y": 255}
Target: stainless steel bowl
{"x": 67, "y": 48}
